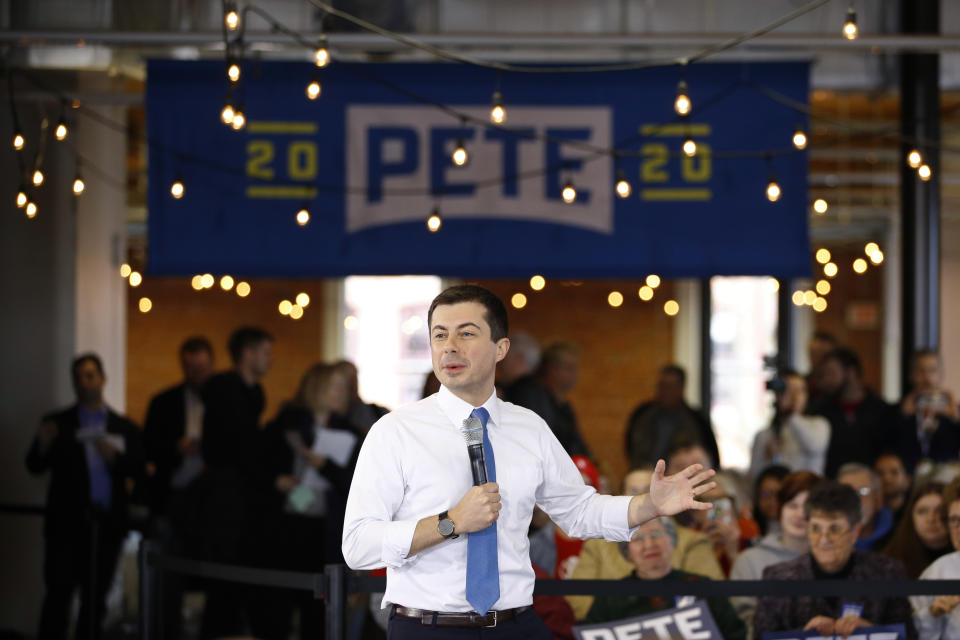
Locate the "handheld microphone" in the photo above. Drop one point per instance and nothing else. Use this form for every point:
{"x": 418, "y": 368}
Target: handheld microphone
{"x": 472, "y": 431}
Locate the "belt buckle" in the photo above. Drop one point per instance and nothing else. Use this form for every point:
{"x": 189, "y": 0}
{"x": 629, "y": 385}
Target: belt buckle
{"x": 490, "y": 626}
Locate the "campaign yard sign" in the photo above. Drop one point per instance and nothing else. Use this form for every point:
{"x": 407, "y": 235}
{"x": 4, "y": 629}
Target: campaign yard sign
{"x": 886, "y": 632}
{"x": 683, "y": 623}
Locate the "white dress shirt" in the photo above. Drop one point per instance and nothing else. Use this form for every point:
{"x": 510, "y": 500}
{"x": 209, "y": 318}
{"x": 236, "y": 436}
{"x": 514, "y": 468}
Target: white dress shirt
{"x": 414, "y": 464}
{"x": 947, "y": 626}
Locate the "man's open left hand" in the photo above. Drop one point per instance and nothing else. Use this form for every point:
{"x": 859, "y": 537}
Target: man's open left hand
{"x": 677, "y": 493}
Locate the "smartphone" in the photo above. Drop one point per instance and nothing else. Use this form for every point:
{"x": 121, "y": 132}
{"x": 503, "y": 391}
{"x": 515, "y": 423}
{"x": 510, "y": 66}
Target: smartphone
{"x": 721, "y": 511}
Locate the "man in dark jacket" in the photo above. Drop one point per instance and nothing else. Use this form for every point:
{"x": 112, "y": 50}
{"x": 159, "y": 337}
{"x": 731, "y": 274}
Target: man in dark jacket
{"x": 95, "y": 459}
{"x": 833, "y": 526}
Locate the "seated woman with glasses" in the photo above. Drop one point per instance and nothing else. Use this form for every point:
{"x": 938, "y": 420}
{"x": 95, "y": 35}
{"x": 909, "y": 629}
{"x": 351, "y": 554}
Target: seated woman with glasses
{"x": 938, "y": 617}
{"x": 649, "y": 550}
{"x": 833, "y": 526}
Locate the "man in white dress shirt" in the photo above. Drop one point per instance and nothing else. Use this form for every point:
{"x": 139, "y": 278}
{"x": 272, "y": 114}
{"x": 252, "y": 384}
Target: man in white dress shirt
{"x": 413, "y": 509}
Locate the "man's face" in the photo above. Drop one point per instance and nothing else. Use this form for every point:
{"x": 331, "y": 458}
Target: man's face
{"x": 563, "y": 373}
{"x": 197, "y": 367}
{"x": 464, "y": 357}
{"x": 832, "y": 376}
{"x": 88, "y": 382}
{"x": 926, "y": 375}
{"x": 669, "y": 390}
{"x": 683, "y": 458}
{"x": 650, "y": 550}
{"x": 893, "y": 477}
{"x": 260, "y": 357}
{"x": 862, "y": 483}
{"x": 637, "y": 482}
{"x": 831, "y": 539}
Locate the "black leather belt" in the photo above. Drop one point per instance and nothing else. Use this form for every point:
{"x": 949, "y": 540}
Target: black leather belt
{"x": 464, "y": 619}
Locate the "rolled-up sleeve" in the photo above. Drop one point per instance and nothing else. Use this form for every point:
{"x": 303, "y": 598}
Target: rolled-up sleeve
{"x": 372, "y": 539}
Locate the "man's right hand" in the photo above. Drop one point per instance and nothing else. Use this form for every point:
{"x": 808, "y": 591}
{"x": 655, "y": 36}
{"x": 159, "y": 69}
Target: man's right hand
{"x": 46, "y": 433}
{"x": 478, "y": 509}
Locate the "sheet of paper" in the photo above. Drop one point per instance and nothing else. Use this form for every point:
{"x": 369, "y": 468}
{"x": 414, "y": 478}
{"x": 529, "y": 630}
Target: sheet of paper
{"x": 336, "y": 445}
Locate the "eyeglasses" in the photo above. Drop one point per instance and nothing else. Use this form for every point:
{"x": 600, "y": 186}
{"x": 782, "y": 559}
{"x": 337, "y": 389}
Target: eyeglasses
{"x": 653, "y": 535}
{"x": 953, "y": 522}
{"x": 833, "y": 532}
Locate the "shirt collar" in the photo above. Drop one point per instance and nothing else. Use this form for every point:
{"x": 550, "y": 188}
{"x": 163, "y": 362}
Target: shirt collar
{"x": 458, "y": 410}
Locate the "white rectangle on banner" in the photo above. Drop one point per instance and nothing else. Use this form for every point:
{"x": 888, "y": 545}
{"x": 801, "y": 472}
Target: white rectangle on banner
{"x": 398, "y": 157}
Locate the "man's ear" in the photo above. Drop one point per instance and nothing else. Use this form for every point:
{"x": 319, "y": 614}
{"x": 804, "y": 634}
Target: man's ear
{"x": 503, "y": 347}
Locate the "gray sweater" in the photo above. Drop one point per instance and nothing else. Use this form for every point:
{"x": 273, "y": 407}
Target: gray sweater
{"x": 750, "y": 564}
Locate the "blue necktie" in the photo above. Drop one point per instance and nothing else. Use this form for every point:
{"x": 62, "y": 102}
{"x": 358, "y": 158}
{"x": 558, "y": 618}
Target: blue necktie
{"x": 483, "y": 573}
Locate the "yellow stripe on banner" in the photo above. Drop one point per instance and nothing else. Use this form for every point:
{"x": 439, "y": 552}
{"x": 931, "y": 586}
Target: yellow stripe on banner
{"x": 656, "y": 130}
{"x": 677, "y": 195}
{"x": 281, "y": 127}
{"x": 263, "y": 191}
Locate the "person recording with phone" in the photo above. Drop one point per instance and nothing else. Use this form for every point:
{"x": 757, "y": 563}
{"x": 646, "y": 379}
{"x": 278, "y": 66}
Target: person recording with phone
{"x": 453, "y": 538}
{"x": 929, "y": 417}
{"x": 722, "y": 524}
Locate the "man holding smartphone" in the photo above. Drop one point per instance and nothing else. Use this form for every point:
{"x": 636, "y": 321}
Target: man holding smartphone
{"x": 929, "y": 422}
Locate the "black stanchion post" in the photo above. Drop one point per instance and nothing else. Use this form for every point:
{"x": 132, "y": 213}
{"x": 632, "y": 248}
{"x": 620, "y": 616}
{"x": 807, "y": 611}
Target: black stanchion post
{"x": 149, "y": 588}
{"x": 336, "y": 605}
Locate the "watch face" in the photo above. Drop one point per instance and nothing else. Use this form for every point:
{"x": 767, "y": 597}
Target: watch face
{"x": 445, "y": 528}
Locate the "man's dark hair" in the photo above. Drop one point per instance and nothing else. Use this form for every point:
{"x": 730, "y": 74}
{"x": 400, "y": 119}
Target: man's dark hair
{"x": 825, "y": 336}
{"x": 847, "y": 358}
{"x": 676, "y": 370}
{"x": 86, "y": 357}
{"x": 196, "y": 344}
{"x": 244, "y": 338}
{"x": 495, "y": 314}
{"x": 831, "y": 497}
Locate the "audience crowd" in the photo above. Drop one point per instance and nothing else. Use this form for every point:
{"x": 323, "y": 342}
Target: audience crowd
{"x": 841, "y": 485}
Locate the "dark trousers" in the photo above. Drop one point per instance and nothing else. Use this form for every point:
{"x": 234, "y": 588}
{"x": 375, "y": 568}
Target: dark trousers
{"x": 526, "y": 626}
{"x": 81, "y": 555}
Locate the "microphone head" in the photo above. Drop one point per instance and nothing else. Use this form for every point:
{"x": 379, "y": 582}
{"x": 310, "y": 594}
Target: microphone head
{"x": 472, "y": 431}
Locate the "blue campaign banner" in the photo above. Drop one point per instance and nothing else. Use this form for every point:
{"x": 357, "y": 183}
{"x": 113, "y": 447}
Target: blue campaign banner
{"x": 370, "y": 159}
{"x": 886, "y": 632}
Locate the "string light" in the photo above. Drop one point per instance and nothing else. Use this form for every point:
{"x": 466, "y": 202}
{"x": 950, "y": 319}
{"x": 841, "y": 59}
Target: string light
{"x": 498, "y": 115}
{"x": 830, "y": 269}
{"x": 78, "y": 184}
{"x": 876, "y": 257}
{"x": 645, "y": 293}
{"x": 689, "y": 147}
{"x": 623, "y": 187}
{"x": 799, "y": 139}
{"x": 773, "y": 189}
{"x": 914, "y": 159}
{"x": 226, "y": 283}
{"x": 859, "y": 265}
{"x": 871, "y": 248}
{"x": 197, "y": 283}
{"x": 243, "y": 289}
{"x": 460, "y": 156}
{"x": 37, "y": 177}
{"x": 850, "y": 30}
{"x": 231, "y": 19}
{"x": 321, "y": 57}
{"x": 226, "y": 115}
{"x": 823, "y": 287}
{"x": 653, "y": 281}
{"x": 21, "y": 197}
{"x": 819, "y": 305}
{"x": 18, "y": 140}
{"x": 820, "y": 206}
{"x": 61, "y": 131}
{"x": 518, "y": 300}
{"x": 135, "y": 279}
{"x": 303, "y": 216}
{"x": 313, "y": 89}
{"x": 303, "y": 299}
{"x": 176, "y": 189}
{"x": 682, "y": 103}
{"x": 207, "y": 280}
{"x": 537, "y": 283}
{"x": 569, "y": 193}
{"x": 615, "y": 299}
{"x": 233, "y": 72}
{"x": 285, "y": 307}
{"x": 239, "y": 120}
{"x": 145, "y": 305}
{"x": 350, "y": 323}
{"x": 671, "y": 307}
{"x": 924, "y": 172}
{"x": 434, "y": 221}
{"x": 31, "y": 210}
{"x": 125, "y": 270}
{"x": 797, "y": 298}
{"x": 823, "y": 256}
{"x": 773, "y": 284}
{"x": 296, "y": 312}
{"x": 809, "y": 297}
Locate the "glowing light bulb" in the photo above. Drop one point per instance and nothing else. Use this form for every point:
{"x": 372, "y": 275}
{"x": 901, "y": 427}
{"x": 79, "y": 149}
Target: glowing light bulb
{"x": 569, "y": 194}
{"x": 460, "y": 156}
{"x": 145, "y": 305}
{"x": 809, "y": 296}
{"x": 799, "y": 139}
{"x": 197, "y": 283}
{"x": 773, "y": 191}
{"x": 21, "y": 198}
{"x": 226, "y": 115}
{"x": 285, "y": 307}
{"x": 239, "y": 120}
{"x": 876, "y": 257}
{"x": 233, "y": 72}
{"x": 914, "y": 159}
{"x": 671, "y": 307}
{"x": 18, "y": 141}
{"x": 498, "y": 115}
{"x": 303, "y": 300}
{"x": 689, "y": 147}
{"x": 645, "y": 293}
{"x": 125, "y": 270}
{"x": 313, "y": 89}
{"x": 823, "y": 287}
{"x": 61, "y": 131}
{"x": 773, "y": 284}
{"x": 682, "y": 104}
{"x": 176, "y": 189}
{"x": 615, "y": 299}
{"x": 850, "y": 30}
{"x": 819, "y": 305}
{"x": 820, "y": 206}
{"x": 226, "y": 283}
{"x": 243, "y": 289}
{"x": 434, "y": 222}
{"x": 135, "y": 279}
{"x": 31, "y": 210}
{"x": 350, "y": 323}
{"x": 924, "y": 172}
{"x": 859, "y": 265}
{"x": 37, "y": 178}
{"x": 870, "y": 248}
{"x": 207, "y": 280}
{"x": 653, "y": 281}
{"x": 797, "y": 298}
{"x": 78, "y": 185}
{"x": 518, "y": 300}
{"x": 823, "y": 256}
{"x": 830, "y": 269}
{"x": 231, "y": 19}
{"x": 296, "y": 312}
{"x": 623, "y": 187}
{"x": 537, "y": 283}
{"x": 303, "y": 217}
{"x": 321, "y": 57}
